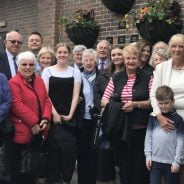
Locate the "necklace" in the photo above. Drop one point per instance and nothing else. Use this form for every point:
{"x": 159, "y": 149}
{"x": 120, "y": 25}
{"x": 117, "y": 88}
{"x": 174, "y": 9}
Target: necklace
{"x": 178, "y": 68}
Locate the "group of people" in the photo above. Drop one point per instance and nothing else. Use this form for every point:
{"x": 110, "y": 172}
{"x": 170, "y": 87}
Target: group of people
{"x": 63, "y": 94}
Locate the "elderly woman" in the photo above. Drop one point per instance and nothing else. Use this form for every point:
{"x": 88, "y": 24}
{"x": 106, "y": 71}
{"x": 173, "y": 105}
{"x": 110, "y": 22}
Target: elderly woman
{"x": 131, "y": 87}
{"x": 77, "y": 56}
{"x": 86, "y": 156}
{"x": 45, "y": 58}
{"x": 63, "y": 84}
{"x": 30, "y": 112}
{"x": 171, "y": 73}
{"x": 5, "y": 103}
{"x": 145, "y": 50}
{"x": 158, "y": 56}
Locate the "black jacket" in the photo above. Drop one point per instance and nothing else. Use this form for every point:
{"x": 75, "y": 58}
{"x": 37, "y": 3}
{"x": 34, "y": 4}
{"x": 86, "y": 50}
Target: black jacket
{"x": 4, "y": 65}
{"x": 138, "y": 116}
{"x": 99, "y": 88}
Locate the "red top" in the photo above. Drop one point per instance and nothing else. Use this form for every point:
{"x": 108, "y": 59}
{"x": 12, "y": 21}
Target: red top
{"x": 25, "y": 106}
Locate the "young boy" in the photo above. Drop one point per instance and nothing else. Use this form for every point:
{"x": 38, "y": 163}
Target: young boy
{"x": 164, "y": 150}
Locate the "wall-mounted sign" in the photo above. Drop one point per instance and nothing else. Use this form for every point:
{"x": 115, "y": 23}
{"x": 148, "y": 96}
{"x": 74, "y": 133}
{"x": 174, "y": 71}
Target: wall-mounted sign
{"x": 110, "y": 39}
{"x": 121, "y": 40}
{"x": 2, "y": 23}
{"x": 134, "y": 38}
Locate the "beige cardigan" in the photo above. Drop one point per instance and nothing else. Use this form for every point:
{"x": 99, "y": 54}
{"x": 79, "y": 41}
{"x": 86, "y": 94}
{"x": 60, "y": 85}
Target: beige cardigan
{"x": 162, "y": 76}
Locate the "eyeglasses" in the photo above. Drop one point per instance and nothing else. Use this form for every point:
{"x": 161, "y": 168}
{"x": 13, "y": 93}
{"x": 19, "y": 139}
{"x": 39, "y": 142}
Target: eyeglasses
{"x": 25, "y": 64}
{"x": 16, "y": 42}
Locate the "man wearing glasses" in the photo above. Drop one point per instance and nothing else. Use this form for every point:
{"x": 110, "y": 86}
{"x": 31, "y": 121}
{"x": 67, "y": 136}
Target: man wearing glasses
{"x": 8, "y": 65}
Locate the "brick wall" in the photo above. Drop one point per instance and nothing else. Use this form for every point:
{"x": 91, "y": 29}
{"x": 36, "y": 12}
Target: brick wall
{"x": 32, "y": 15}
{"x": 44, "y": 16}
{"x": 107, "y": 20}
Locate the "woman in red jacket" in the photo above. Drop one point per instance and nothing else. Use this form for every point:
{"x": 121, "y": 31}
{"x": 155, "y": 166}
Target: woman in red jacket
{"x": 31, "y": 111}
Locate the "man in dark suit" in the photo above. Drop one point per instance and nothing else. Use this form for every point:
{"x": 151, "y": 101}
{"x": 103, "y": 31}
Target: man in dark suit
{"x": 8, "y": 57}
{"x": 103, "y": 49}
{"x": 8, "y": 66}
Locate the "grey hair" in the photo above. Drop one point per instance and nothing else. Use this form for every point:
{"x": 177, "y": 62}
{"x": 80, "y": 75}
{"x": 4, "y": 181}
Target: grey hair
{"x": 10, "y": 32}
{"x": 27, "y": 55}
{"x": 79, "y": 48}
{"x": 161, "y": 52}
{"x": 88, "y": 52}
{"x": 104, "y": 41}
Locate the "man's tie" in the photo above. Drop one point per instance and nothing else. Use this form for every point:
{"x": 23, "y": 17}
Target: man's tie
{"x": 102, "y": 66}
{"x": 15, "y": 64}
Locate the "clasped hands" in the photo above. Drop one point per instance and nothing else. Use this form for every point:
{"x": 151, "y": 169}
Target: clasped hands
{"x": 37, "y": 128}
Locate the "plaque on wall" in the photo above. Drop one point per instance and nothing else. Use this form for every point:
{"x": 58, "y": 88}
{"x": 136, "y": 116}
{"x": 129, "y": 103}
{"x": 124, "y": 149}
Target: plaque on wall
{"x": 134, "y": 38}
{"x": 110, "y": 39}
{"x": 121, "y": 40}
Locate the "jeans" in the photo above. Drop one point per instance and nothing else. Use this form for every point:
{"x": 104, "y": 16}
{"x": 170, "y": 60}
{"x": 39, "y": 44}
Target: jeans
{"x": 160, "y": 169}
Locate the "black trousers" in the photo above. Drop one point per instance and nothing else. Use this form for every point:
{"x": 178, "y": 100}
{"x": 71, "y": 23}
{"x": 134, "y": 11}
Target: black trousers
{"x": 131, "y": 160}
{"x": 158, "y": 170}
{"x": 106, "y": 165}
{"x": 62, "y": 154}
{"x": 86, "y": 156}
{"x": 16, "y": 176}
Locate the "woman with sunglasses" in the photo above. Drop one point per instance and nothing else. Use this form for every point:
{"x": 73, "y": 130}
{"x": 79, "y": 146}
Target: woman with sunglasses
{"x": 30, "y": 112}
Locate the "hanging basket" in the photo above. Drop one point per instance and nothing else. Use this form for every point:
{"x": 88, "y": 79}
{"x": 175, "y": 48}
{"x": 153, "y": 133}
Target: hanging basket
{"x": 158, "y": 30}
{"x": 83, "y": 35}
{"x": 119, "y": 6}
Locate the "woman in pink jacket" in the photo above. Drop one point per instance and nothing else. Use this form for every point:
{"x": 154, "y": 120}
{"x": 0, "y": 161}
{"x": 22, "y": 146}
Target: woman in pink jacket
{"x": 31, "y": 111}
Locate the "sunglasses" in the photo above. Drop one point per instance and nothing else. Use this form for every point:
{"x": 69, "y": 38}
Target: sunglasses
{"x": 16, "y": 42}
{"x": 25, "y": 64}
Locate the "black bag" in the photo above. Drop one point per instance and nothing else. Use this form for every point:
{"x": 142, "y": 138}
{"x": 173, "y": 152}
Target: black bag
{"x": 7, "y": 129}
{"x": 35, "y": 161}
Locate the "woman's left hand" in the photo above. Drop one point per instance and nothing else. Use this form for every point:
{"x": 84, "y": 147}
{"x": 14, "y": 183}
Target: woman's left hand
{"x": 128, "y": 106}
{"x": 43, "y": 124}
{"x": 66, "y": 118}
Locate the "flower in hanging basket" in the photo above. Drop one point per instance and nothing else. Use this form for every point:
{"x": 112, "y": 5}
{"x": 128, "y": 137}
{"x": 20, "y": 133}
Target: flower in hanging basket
{"x": 81, "y": 27}
{"x": 80, "y": 18}
{"x": 155, "y": 10}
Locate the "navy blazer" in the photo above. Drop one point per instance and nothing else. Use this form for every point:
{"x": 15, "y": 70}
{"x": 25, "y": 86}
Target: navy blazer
{"x": 5, "y": 97}
{"x": 4, "y": 65}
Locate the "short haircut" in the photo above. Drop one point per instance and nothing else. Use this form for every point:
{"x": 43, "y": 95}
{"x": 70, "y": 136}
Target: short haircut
{"x": 79, "y": 48}
{"x": 164, "y": 93}
{"x": 63, "y": 45}
{"x": 175, "y": 39}
{"x": 90, "y": 52}
{"x": 131, "y": 49}
{"x": 10, "y": 32}
{"x": 36, "y": 33}
{"x": 27, "y": 55}
{"x": 44, "y": 50}
{"x": 104, "y": 41}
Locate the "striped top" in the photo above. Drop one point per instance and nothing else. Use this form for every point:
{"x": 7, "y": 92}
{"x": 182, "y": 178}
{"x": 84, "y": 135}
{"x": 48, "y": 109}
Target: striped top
{"x": 126, "y": 94}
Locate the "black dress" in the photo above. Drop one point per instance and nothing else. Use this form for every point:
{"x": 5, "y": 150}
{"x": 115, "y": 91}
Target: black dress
{"x": 62, "y": 147}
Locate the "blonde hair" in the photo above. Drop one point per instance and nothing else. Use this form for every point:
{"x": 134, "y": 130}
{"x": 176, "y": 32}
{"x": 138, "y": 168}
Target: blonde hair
{"x": 131, "y": 49}
{"x": 175, "y": 38}
{"x": 44, "y": 50}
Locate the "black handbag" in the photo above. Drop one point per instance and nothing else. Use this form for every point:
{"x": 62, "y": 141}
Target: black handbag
{"x": 7, "y": 129}
{"x": 34, "y": 161}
